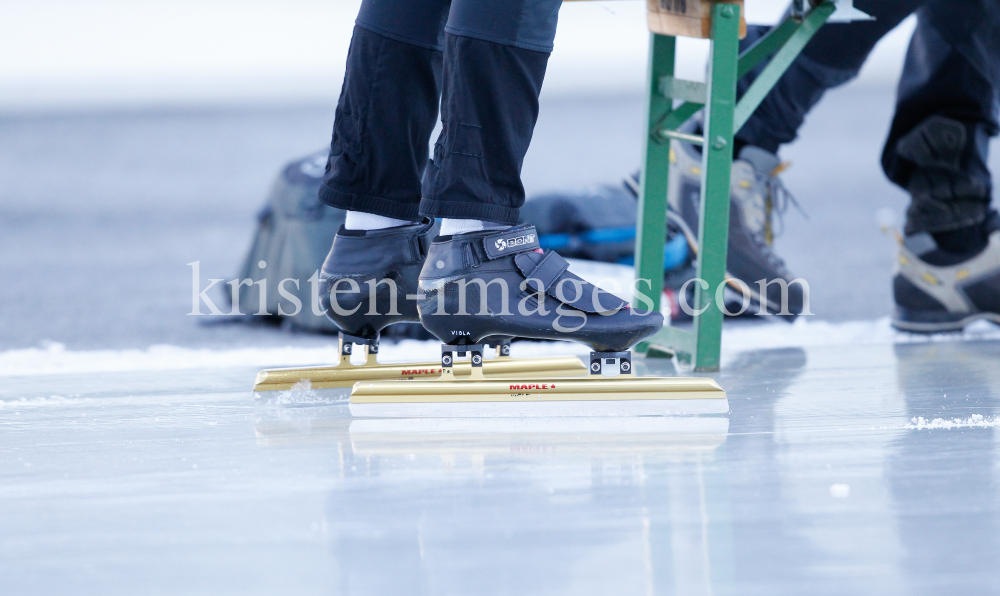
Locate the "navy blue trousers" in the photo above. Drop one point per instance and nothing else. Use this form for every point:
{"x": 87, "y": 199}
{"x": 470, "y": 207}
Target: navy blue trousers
{"x": 946, "y": 110}
{"x": 483, "y": 61}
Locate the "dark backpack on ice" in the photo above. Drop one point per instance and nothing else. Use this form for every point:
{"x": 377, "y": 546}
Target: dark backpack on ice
{"x": 294, "y": 234}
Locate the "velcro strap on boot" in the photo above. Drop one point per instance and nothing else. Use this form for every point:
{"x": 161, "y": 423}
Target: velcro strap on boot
{"x": 511, "y": 242}
{"x": 545, "y": 271}
{"x": 551, "y": 272}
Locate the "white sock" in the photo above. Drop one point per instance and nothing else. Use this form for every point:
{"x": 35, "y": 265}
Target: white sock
{"x": 450, "y": 227}
{"x": 358, "y": 220}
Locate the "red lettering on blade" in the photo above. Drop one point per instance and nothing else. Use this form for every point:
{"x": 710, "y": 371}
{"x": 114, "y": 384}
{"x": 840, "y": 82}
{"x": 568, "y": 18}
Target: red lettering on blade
{"x": 420, "y": 371}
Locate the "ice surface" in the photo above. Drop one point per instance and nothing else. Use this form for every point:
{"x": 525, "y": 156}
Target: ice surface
{"x": 843, "y": 468}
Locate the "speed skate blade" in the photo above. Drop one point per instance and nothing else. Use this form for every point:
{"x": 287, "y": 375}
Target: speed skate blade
{"x": 592, "y": 396}
{"x": 332, "y": 377}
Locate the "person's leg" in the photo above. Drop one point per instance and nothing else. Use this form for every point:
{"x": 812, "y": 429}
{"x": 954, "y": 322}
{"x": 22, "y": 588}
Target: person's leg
{"x": 494, "y": 62}
{"x": 949, "y": 96}
{"x": 946, "y": 111}
{"x": 385, "y": 116}
{"x": 758, "y": 197}
{"x": 831, "y": 58}
{"x": 495, "y": 57}
{"x": 387, "y": 109}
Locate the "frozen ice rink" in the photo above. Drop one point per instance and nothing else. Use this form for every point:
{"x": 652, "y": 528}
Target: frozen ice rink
{"x": 134, "y": 460}
{"x": 861, "y": 463}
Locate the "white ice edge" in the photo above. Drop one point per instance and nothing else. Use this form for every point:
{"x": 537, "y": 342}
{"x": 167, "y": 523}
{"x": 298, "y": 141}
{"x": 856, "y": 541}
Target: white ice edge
{"x": 56, "y": 359}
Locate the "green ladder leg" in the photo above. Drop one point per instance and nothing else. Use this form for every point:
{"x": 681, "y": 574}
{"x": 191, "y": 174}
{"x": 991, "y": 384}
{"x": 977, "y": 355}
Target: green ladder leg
{"x": 717, "y": 161}
{"x": 723, "y": 117}
{"x": 652, "y": 215}
{"x": 702, "y": 347}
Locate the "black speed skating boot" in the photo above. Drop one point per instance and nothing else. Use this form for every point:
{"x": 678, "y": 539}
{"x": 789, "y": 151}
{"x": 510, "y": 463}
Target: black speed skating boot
{"x": 491, "y": 283}
{"x": 381, "y": 263}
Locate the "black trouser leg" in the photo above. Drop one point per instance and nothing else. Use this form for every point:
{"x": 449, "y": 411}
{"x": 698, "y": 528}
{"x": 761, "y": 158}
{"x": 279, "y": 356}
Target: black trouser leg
{"x": 494, "y": 62}
{"x": 495, "y": 57}
{"x": 831, "y": 58}
{"x": 946, "y": 111}
{"x": 488, "y": 112}
{"x": 387, "y": 109}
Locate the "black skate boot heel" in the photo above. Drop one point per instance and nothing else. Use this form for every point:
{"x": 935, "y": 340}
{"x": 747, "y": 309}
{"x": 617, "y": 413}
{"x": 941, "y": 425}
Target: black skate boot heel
{"x": 368, "y": 282}
{"x": 369, "y": 279}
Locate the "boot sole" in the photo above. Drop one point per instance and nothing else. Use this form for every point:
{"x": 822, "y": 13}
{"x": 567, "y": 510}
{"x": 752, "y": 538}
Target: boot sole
{"x": 910, "y": 321}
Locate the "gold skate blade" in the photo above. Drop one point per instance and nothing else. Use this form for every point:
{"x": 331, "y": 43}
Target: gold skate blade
{"x": 328, "y": 377}
{"x": 591, "y": 396}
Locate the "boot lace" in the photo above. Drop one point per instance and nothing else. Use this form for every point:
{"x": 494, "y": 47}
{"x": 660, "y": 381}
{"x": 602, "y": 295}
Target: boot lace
{"x": 778, "y": 199}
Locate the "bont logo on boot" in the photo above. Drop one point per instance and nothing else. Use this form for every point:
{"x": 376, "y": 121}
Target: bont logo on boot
{"x": 512, "y": 241}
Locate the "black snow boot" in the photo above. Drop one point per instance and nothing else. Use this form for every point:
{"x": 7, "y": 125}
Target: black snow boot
{"x": 493, "y": 282}
{"x": 383, "y": 264}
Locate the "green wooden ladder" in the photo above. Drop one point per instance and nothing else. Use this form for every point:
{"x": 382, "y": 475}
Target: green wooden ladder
{"x": 700, "y": 348}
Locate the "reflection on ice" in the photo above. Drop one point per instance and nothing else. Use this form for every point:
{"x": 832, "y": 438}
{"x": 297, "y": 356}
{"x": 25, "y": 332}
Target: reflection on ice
{"x": 543, "y": 505}
{"x": 649, "y": 436}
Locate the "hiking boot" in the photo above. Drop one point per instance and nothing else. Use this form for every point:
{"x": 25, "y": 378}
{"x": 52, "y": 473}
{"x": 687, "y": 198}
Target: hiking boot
{"x": 757, "y": 199}
{"x": 938, "y": 291}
